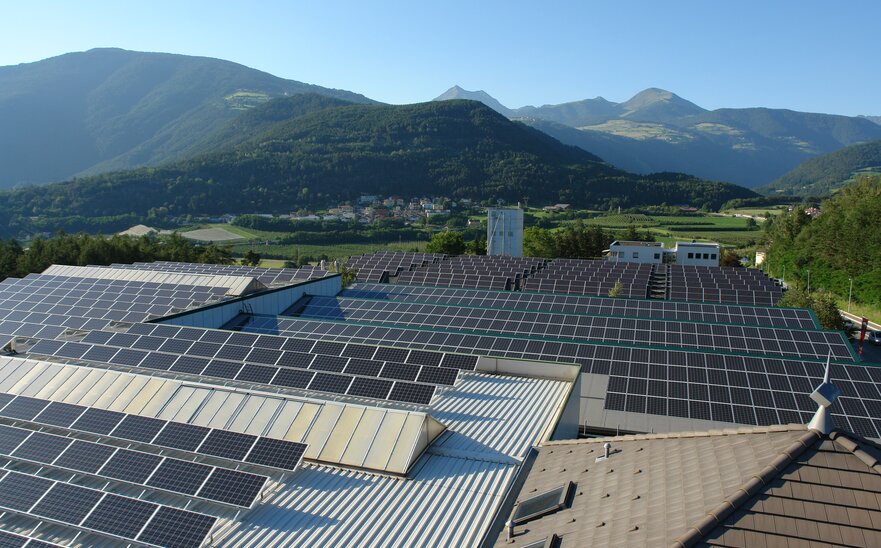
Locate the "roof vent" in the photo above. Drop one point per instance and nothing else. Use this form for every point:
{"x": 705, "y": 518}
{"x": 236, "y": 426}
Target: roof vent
{"x": 9, "y": 348}
{"x": 607, "y": 449}
{"x": 825, "y": 395}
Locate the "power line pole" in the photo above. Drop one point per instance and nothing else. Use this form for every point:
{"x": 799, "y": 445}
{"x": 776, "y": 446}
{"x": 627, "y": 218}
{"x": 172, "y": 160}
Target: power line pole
{"x": 849, "y": 294}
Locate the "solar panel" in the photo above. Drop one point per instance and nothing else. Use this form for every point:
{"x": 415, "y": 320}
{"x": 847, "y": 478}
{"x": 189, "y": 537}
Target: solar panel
{"x": 581, "y": 327}
{"x": 229, "y": 445}
{"x": 274, "y": 453}
{"x": 186, "y": 437}
{"x": 93, "y": 510}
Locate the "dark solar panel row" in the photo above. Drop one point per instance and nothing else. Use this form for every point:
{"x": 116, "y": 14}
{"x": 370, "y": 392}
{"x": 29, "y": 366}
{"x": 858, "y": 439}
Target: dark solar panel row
{"x": 247, "y": 448}
{"x": 630, "y": 288}
{"x": 135, "y": 467}
{"x": 83, "y": 297}
{"x": 794, "y": 318}
{"x": 446, "y": 279}
{"x": 858, "y": 382}
{"x": 105, "y": 513}
{"x": 755, "y": 340}
{"x": 297, "y": 371}
{"x": 723, "y": 285}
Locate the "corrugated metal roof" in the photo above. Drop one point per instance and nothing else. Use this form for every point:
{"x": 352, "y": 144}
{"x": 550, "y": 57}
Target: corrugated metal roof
{"x": 236, "y": 285}
{"x": 360, "y": 436}
{"x": 450, "y": 497}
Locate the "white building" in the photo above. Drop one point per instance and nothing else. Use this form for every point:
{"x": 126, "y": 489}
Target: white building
{"x": 697, "y": 254}
{"x": 685, "y": 253}
{"x": 637, "y": 252}
{"x": 504, "y": 232}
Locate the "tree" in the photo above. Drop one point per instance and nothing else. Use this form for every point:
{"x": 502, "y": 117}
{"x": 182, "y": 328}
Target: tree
{"x": 616, "y": 289}
{"x": 214, "y": 254}
{"x": 451, "y": 243}
{"x": 539, "y": 242}
{"x": 729, "y": 258}
{"x": 9, "y": 253}
{"x": 821, "y": 302}
{"x": 477, "y": 246}
{"x": 347, "y": 275}
{"x": 251, "y": 258}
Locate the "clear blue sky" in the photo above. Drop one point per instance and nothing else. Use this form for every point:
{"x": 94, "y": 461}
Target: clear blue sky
{"x": 806, "y": 55}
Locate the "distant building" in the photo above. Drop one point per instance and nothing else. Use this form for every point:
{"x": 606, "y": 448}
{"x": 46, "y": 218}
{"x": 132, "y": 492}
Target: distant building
{"x": 761, "y": 256}
{"x": 637, "y": 252}
{"x": 696, "y": 254}
{"x": 504, "y": 232}
{"x": 685, "y": 253}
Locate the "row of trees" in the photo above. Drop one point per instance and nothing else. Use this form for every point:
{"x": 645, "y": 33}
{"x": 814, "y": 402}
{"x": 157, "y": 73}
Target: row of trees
{"x": 83, "y": 249}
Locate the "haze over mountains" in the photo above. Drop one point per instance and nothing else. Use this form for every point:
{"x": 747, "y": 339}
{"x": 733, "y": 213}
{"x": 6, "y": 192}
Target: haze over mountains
{"x": 656, "y": 130}
{"x": 108, "y": 109}
{"x": 309, "y": 150}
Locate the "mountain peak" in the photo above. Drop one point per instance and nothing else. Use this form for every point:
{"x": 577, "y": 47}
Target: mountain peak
{"x": 659, "y": 103}
{"x": 457, "y": 92}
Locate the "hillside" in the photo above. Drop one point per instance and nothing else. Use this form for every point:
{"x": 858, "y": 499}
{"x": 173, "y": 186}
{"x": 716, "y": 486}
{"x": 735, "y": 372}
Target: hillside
{"x": 110, "y": 109}
{"x": 455, "y": 148}
{"x": 657, "y": 130}
{"x": 823, "y": 175}
{"x": 836, "y": 246}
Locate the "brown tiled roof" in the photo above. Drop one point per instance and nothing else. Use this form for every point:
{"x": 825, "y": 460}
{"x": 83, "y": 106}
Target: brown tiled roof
{"x": 751, "y": 487}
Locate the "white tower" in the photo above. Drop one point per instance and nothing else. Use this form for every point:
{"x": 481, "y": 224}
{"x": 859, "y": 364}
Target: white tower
{"x": 504, "y": 232}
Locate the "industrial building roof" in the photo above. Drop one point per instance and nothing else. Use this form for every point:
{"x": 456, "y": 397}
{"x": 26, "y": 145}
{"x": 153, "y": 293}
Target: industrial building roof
{"x": 762, "y": 486}
{"x": 236, "y": 285}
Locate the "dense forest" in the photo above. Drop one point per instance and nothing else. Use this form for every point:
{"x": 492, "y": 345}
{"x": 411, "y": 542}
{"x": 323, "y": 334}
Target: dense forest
{"x": 823, "y": 175}
{"x": 840, "y": 244}
{"x": 456, "y": 148}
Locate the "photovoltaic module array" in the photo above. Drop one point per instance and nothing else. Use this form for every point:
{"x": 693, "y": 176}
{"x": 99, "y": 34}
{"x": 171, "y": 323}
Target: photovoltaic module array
{"x": 795, "y": 318}
{"x": 92, "y": 510}
{"x": 147, "y": 470}
{"x": 778, "y": 387}
{"x": 725, "y": 285}
{"x": 570, "y": 327}
{"x": 233, "y": 446}
{"x": 120, "y": 300}
{"x": 352, "y": 370}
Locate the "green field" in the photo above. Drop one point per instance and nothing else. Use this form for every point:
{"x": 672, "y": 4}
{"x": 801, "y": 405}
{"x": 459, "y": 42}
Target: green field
{"x": 757, "y": 211}
{"x": 283, "y": 252}
{"x": 732, "y": 231}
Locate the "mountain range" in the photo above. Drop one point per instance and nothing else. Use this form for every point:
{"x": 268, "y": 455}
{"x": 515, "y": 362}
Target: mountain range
{"x": 309, "y": 150}
{"x": 656, "y": 130}
{"x": 106, "y": 109}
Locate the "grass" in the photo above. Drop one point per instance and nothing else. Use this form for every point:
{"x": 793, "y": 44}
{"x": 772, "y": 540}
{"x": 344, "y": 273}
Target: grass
{"x": 756, "y": 212}
{"x": 316, "y": 251}
{"x": 866, "y": 310}
{"x": 669, "y": 229}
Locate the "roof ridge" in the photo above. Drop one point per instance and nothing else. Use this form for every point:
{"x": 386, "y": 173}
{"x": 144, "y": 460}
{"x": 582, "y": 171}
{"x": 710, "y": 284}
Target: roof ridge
{"x": 683, "y": 434}
{"x": 745, "y": 492}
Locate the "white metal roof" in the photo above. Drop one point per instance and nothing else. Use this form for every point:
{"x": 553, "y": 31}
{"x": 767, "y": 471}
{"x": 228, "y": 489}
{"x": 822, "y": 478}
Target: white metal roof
{"x": 451, "y": 496}
{"x": 236, "y": 285}
{"x": 360, "y": 436}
